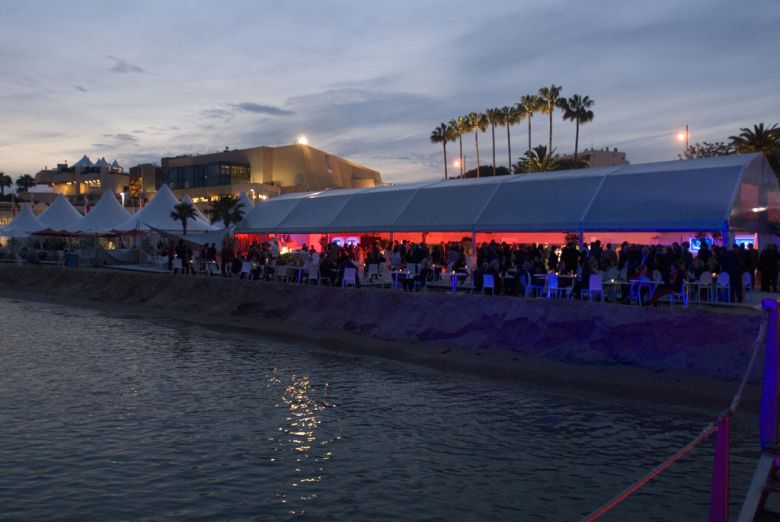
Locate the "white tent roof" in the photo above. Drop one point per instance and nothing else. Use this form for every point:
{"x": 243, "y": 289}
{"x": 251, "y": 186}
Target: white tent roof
{"x": 106, "y": 216}
{"x": 157, "y": 214}
{"x": 24, "y": 224}
{"x": 691, "y": 195}
{"x": 244, "y": 199}
{"x": 198, "y": 214}
{"x": 60, "y": 216}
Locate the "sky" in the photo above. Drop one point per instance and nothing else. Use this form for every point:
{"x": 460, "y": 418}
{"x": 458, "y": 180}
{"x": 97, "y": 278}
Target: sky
{"x": 369, "y": 80}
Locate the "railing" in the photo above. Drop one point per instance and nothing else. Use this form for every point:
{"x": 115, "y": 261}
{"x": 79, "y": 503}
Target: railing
{"x": 719, "y": 494}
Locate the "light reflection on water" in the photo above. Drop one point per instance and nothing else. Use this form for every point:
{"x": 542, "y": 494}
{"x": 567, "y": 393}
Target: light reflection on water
{"x": 112, "y": 417}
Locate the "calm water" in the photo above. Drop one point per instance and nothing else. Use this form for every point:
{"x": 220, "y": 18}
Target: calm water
{"x": 104, "y": 416}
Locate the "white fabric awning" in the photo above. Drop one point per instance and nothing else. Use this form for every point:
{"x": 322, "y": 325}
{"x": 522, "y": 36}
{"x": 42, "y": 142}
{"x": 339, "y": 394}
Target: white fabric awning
{"x": 691, "y": 195}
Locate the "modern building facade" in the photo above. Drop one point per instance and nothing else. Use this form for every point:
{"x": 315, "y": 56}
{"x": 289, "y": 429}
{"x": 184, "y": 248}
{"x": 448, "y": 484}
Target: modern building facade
{"x": 148, "y": 175}
{"x": 84, "y": 181}
{"x": 600, "y": 157}
{"x": 263, "y": 172}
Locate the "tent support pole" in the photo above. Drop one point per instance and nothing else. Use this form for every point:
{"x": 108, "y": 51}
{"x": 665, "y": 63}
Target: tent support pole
{"x": 473, "y": 243}
{"x": 726, "y": 234}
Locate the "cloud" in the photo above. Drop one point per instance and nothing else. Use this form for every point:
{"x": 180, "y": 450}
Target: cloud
{"x": 128, "y": 138}
{"x": 123, "y": 66}
{"x": 261, "y": 109}
{"x": 216, "y": 114}
{"x": 79, "y": 88}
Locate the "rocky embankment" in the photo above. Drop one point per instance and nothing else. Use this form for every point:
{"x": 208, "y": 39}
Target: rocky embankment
{"x": 703, "y": 342}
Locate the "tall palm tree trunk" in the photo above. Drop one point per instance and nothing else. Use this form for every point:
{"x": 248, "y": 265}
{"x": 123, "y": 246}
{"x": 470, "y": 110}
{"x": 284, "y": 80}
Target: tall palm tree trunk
{"x": 444, "y": 144}
{"x": 476, "y": 144}
{"x": 509, "y": 148}
{"x": 549, "y": 139}
{"x": 576, "y": 138}
{"x": 493, "y": 131}
{"x": 529, "y": 141}
{"x": 460, "y": 141}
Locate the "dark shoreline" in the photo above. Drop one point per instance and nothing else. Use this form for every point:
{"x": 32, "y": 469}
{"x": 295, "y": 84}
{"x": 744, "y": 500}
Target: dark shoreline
{"x": 290, "y": 313}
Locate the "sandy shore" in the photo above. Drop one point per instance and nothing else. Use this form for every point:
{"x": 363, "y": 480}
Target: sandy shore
{"x": 680, "y": 356}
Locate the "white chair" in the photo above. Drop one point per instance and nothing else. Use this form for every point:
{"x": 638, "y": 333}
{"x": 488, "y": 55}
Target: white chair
{"x": 246, "y": 270}
{"x": 595, "y": 288}
{"x": 635, "y": 291}
{"x": 532, "y": 290}
{"x": 722, "y": 284}
{"x": 372, "y": 272}
{"x": 312, "y": 274}
{"x": 488, "y": 281}
{"x": 349, "y": 277}
{"x": 552, "y": 287}
{"x": 747, "y": 285}
{"x": 703, "y": 285}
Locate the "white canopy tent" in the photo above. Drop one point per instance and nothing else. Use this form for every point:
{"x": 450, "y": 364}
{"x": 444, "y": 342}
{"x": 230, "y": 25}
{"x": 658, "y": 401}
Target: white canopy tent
{"x": 60, "y": 216}
{"x": 246, "y": 202}
{"x": 23, "y": 225}
{"x": 198, "y": 214}
{"x": 157, "y": 214}
{"x": 106, "y": 216}
{"x": 738, "y": 192}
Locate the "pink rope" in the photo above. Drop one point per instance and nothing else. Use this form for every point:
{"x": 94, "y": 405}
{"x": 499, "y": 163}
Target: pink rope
{"x": 704, "y": 435}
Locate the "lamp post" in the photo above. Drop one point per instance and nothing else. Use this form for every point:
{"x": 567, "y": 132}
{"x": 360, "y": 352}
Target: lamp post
{"x": 123, "y": 199}
{"x": 683, "y": 136}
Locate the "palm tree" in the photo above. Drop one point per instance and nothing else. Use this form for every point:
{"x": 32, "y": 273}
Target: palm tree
{"x": 760, "y": 139}
{"x": 510, "y": 116}
{"x": 550, "y": 98}
{"x": 183, "y": 212}
{"x": 577, "y": 108}
{"x": 442, "y": 134}
{"x": 477, "y": 123}
{"x": 538, "y": 161}
{"x": 494, "y": 117}
{"x": 459, "y": 127}
{"x": 24, "y": 183}
{"x": 227, "y": 209}
{"x": 5, "y": 181}
{"x": 529, "y": 104}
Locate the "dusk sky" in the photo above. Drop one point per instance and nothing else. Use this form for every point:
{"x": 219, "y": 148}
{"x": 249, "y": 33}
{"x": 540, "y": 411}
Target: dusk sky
{"x": 368, "y": 80}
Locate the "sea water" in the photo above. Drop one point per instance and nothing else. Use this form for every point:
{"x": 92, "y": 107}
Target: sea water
{"x": 110, "y": 416}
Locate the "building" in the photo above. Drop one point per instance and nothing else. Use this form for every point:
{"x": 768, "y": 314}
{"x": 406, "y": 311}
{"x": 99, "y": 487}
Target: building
{"x": 148, "y": 175}
{"x": 84, "y": 181}
{"x": 600, "y": 157}
{"x": 263, "y": 172}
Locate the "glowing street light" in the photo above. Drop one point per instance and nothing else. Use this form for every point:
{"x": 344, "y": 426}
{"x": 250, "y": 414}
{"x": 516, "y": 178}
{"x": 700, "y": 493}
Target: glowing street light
{"x": 456, "y": 163}
{"x": 303, "y": 140}
{"x": 683, "y": 136}
{"x": 123, "y": 198}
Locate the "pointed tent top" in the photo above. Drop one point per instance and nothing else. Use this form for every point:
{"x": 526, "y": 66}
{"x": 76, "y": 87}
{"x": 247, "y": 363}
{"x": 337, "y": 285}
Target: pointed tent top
{"x": 24, "y": 224}
{"x": 60, "y": 216}
{"x": 101, "y": 162}
{"x": 244, "y": 199}
{"x": 83, "y": 162}
{"x": 157, "y": 214}
{"x": 103, "y": 218}
{"x": 115, "y": 164}
{"x": 200, "y": 215}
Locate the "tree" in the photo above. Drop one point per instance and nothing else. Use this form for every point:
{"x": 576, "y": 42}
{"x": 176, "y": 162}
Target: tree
{"x": 577, "y": 109}
{"x": 183, "y": 212}
{"x": 550, "y": 98}
{"x": 478, "y": 123}
{"x": 760, "y": 139}
{"x": 226, "y": 209}
{"x": 24, "y": 183}
{"x": 538, "y": 161}
{"x": 708, "y": 150}
{"x": 486, "y": 171}
{"x": 529, "y": 104}
{"x": 443, "y": 134}
{"x": 5, "y": 181}
{"x": 459, "y": 127}
{"x": 494, "y": 117}
{"x": 510, "y": 115}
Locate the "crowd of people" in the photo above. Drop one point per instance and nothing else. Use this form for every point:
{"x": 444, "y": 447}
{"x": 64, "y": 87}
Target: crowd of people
{"x": 514, "y": 266}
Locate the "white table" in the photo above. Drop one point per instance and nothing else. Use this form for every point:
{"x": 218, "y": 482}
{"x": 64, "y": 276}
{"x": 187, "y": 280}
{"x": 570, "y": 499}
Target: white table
{"x": 454, "y": 278}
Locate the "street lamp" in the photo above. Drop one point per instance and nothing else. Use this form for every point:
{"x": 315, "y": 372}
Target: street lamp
{"x": 123, "y": 199}
{"x": 303, "y": 140}
{"x": 683, "y": 136}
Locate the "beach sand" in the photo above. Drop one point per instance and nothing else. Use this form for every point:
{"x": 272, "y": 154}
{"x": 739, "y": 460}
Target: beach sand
{"x": 680, "y": 356}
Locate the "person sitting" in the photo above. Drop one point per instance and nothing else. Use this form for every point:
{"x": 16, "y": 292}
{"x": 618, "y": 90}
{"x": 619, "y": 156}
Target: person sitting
{"x": 673, "y": 286}
{"x": 418, "y": 281}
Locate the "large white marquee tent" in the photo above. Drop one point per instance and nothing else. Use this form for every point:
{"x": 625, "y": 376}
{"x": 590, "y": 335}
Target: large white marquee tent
{"x": 734, "y": 193}
{"x": 106, "y": 215}
{"x": 157, "y": 216}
